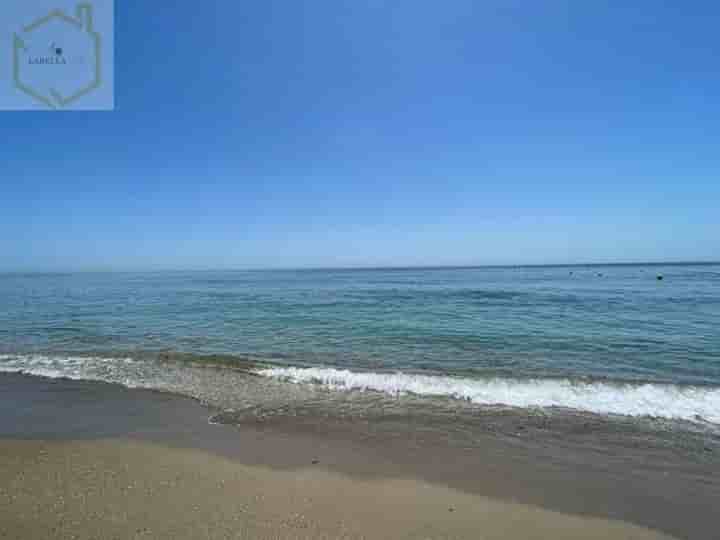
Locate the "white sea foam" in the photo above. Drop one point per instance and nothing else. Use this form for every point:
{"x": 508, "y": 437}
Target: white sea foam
{"x": 657, "y": 400}
{"x": 694, "y": 403}
{"x": 93, "y": 368}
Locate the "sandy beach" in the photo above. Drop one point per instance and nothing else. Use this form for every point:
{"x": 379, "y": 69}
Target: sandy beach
{"x": 122, "y": 489}
{"x": 92, "y": 460}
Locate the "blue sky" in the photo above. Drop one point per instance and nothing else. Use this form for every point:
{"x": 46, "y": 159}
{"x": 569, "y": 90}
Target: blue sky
{"x": 365, "y": 133}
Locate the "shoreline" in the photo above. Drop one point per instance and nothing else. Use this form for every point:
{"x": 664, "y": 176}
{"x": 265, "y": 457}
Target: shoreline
{"x": 653, "y": 487}
{"x": 689, "y": 405}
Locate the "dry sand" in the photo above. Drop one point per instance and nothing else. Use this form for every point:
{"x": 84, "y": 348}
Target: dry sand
{"x": 115, "y": 488}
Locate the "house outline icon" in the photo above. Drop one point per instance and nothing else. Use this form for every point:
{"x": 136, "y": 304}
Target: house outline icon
{"x": 82, "y": 22}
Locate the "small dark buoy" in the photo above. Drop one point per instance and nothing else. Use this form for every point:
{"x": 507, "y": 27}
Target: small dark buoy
{"x": 659, "y": 277}
{"x": 315, "y": 461}
{"x": 599, "y": 274}
{"x": 451, "y": 509}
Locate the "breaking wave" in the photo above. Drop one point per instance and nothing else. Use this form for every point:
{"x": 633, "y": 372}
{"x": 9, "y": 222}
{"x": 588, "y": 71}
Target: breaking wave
{"x": 694, "y": 403}
{"x": 225, "y": 384}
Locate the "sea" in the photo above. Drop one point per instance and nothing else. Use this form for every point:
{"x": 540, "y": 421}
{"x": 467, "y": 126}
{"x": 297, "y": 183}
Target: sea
{"x": 631, "y": 342}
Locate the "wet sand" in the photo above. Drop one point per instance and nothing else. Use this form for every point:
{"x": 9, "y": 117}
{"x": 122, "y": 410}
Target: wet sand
{"x": 100, "y": 461}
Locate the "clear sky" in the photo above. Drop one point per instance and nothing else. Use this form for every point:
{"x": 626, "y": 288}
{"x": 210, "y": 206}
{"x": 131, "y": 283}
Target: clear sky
{"x": 340, "y": 133}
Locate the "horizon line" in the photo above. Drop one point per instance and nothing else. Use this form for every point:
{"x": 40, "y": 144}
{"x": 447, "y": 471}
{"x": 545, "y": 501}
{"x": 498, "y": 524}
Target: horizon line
{"x": 380, "y": 267}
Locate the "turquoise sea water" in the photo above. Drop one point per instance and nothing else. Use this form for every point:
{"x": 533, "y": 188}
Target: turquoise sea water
{"x": 609, "y": 339}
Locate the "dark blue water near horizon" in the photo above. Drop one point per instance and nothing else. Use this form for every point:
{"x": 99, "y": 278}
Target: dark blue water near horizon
{"x": 599, "y": 321}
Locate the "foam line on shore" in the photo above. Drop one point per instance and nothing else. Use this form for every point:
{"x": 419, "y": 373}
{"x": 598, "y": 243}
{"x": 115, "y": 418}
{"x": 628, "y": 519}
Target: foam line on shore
{"x": 694, "y": 403}
{"x": 677, "y": 402}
